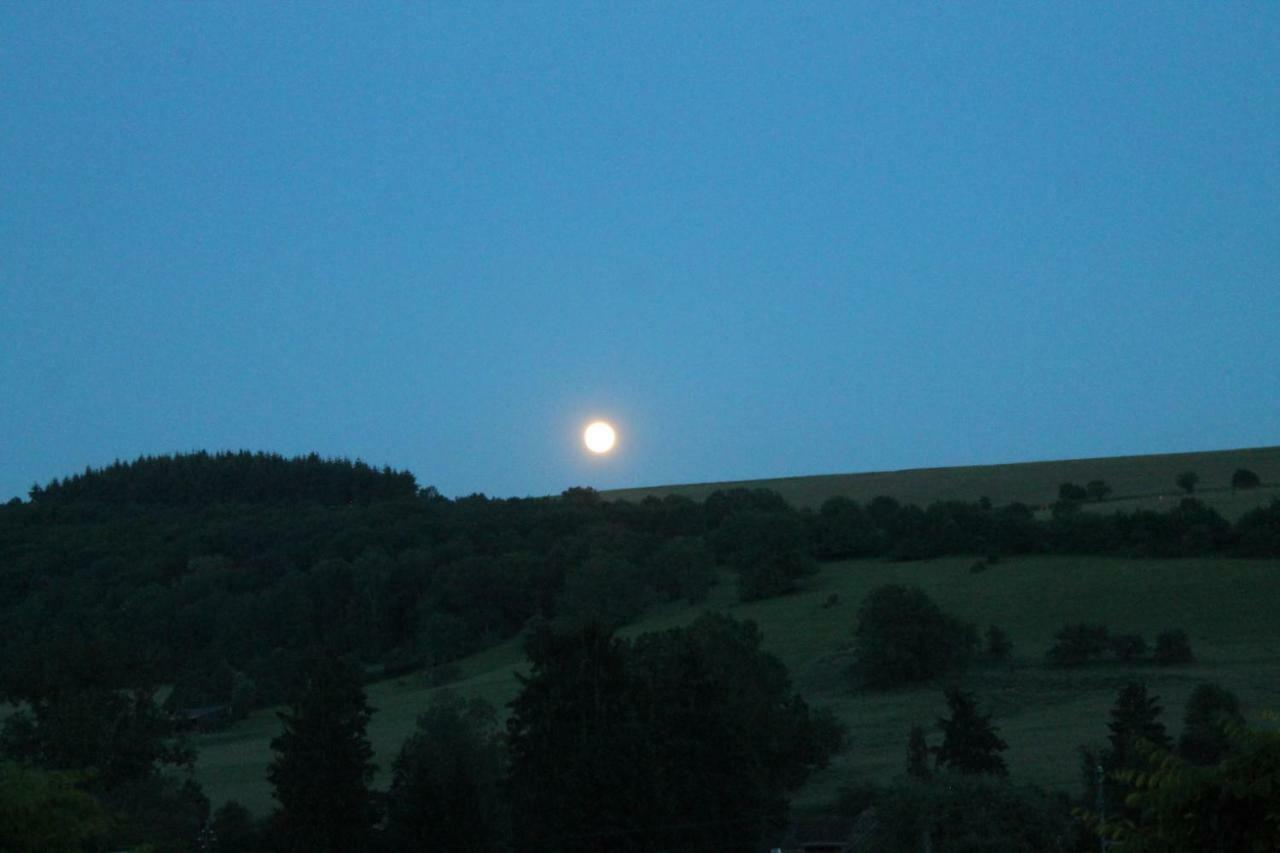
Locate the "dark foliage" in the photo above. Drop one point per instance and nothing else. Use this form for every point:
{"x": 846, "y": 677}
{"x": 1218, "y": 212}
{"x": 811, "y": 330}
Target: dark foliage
{"x": 902, "y": 637}
{"x": 970, "y": 744}
{"x": 446, "y": 782}
{"x": 1187, "y": 481}
{"x": 688, "y": 739}
{"x": 324, "y": 763}
{"x": 998, "y": 645}
{"x": 1211, "y": 710}
{"x": 1243, "y": 478}
{"x": 1079, "y": 644}
{"x": 970, "y": 814}
{"x": 1097, "y": 489}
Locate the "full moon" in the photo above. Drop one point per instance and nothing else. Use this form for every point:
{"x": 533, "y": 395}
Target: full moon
{"x": 599, "y": 437}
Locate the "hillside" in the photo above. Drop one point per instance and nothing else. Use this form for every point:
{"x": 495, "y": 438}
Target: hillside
{"x": 1227, "y": 606}
{"x": 1142, "y": 478}
{"x": 218, "y": 576}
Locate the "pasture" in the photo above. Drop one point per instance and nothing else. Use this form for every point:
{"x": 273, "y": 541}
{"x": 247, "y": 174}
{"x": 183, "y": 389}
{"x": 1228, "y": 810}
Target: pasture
{"x": 1227, "y": 606}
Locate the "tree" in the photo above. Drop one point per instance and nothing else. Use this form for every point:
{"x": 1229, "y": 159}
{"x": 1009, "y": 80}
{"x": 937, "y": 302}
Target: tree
{"x": 1134, "y": 717}
{"x": 1243, "y": 478}
{"x": 1182, "y": 808}
{"x": 445, "y": 781}
{"x": 1072, "y": 492}
{"x": 901, "y": 637}
{"x": 1173, "y": 647}
{"x": 918, "y": 755}
{"x": 1187, "y": 481}
{"x": 1210, "y": 711}
{"x": 1097, "y": 489}
{"x": 970, "y": 744}
{"x": 323, "y": 763}
{"x": 685, "y": 739}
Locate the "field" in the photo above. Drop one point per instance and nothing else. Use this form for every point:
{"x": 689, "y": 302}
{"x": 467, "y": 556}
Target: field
{"x": 1227, "y": 606}
{"x": 1144, "y": 479}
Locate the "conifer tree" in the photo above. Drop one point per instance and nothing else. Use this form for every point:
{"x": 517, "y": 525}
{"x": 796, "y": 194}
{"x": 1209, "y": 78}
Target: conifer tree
{"x": 1135, "y": 716}
{"x": 970, "y": 744}
{"x": 323, "y": 764}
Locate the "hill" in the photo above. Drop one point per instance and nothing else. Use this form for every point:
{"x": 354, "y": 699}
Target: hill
{"x": 1141, "y": 480}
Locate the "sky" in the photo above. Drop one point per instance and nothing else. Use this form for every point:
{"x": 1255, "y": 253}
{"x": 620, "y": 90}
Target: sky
{"x": 762, "y": 239}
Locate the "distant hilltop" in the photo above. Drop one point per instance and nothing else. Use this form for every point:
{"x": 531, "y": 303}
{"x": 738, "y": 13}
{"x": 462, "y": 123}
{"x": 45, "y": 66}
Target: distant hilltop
{"x": 1138, "y": 480}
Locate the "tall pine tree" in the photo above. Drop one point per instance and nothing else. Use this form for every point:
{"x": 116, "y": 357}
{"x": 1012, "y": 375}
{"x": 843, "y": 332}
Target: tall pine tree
{"x": 323, "y": 764}
{"x": 969, "y": 741}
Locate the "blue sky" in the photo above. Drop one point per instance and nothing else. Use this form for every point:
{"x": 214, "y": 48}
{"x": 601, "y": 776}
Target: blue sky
{"x": 762, "y": 239}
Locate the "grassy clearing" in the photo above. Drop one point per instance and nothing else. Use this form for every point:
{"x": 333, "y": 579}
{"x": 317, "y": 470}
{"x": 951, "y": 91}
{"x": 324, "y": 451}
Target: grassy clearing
{"x": 1029, "y": 482}
{"x": 1227, "y": 606}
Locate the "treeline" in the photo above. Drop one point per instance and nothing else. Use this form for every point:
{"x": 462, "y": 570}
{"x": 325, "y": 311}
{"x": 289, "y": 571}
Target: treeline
{"x": 243, "y": 477}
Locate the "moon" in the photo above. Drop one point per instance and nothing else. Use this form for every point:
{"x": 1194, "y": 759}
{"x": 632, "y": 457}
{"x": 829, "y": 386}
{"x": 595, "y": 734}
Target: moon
{"x": 599, "y": 437}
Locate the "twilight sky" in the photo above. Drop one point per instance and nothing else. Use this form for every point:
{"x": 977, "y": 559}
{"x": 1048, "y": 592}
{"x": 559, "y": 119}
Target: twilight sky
{"x": 762, "y": 239}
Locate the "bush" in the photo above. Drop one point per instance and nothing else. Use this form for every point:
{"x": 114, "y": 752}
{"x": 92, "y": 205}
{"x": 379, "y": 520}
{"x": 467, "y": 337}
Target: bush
{"x": 1187, "y": 481}
{"x": 1173, "y": 647}
{"x": 903, "y": 637}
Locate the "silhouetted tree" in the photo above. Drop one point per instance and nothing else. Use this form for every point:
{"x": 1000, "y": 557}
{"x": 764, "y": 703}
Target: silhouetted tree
{"x": 1211, "y": 710}
{"x": 999, "y": 646}
{"x": 1187, "y": 481}
{"x": 901, "y": 636}
{"x": 1243, "y": 478}
{"x": 1134, "y": 717}
{"x": 323, "y": 764}
{"x": 1072, "y": 492}
{"x": 1078, "y": 644}
{"x": 970, "y": 744}
{"x": 1097, "y": 489}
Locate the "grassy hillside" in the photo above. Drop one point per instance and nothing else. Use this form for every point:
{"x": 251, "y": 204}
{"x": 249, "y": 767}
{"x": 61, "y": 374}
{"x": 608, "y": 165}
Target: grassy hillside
{"x": 1227, "y": 606}
{"x": 1143, "y": 477}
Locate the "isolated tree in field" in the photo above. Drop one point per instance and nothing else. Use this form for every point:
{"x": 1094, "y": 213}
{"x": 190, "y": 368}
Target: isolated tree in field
{"x": 901, "y": 637}
{"x": 918, "y": 755}
{"x": 446, "y": 782}
{"x": 1211, "y": 711}
{"x": 1187, "y": 481}
{"x": 1072, "y": 492}
{"x": 1243, "y": 478}
{"x": 323, "y": 764}
{"x": 970, "y": 744}
{"x": 1097, "y": 489}
{"x": 1173, "y": 647}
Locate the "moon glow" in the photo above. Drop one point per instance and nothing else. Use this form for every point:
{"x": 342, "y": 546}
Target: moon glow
{"x": 599, "y": 437}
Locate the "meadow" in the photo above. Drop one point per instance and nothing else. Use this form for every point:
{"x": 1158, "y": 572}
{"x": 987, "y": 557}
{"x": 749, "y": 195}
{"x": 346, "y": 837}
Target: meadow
{"x": 1227, "y": 607}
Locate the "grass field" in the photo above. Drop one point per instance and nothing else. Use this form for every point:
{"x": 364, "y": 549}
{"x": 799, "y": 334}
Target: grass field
{"x": 1033, "y": 483}
{"x": 1227, "y": 606}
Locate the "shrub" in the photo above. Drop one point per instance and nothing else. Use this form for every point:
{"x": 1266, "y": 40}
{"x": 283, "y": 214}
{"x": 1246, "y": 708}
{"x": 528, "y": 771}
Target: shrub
{"x": 1187, "y": 481}
{"x": 999, "y": 646}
